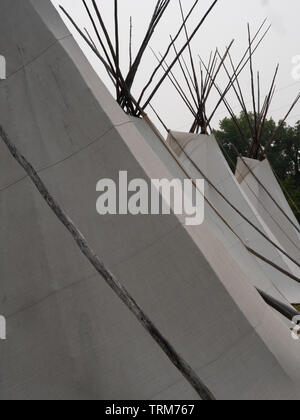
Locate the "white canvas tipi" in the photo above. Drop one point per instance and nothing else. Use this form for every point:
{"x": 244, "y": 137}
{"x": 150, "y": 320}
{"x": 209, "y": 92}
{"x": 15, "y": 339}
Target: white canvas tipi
{"x": 260, "y": 185}
{"x": 69, "y": 337}
{"x": 203, "y": 152}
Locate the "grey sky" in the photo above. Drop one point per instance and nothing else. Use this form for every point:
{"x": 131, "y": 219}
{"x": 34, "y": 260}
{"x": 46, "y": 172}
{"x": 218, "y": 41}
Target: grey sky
{"x": 227, "y": 21}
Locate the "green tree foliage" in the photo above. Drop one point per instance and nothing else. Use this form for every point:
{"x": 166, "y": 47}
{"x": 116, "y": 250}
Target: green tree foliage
{"x": 284, "y": 155}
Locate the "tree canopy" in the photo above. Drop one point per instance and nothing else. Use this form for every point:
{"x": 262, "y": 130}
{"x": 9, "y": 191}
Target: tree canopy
{"x": 284, "y": 155}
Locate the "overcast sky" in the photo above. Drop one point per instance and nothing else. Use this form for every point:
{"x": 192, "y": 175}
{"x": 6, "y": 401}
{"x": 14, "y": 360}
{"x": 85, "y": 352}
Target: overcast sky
{"x": 227, "y": 21}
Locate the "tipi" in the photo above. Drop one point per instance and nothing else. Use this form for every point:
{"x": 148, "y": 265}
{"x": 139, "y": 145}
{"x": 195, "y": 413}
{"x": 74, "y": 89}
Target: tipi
{"x": 201, "y": 156}
{"x": 265, "y": 194}
{"x": 69, "y": 337}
